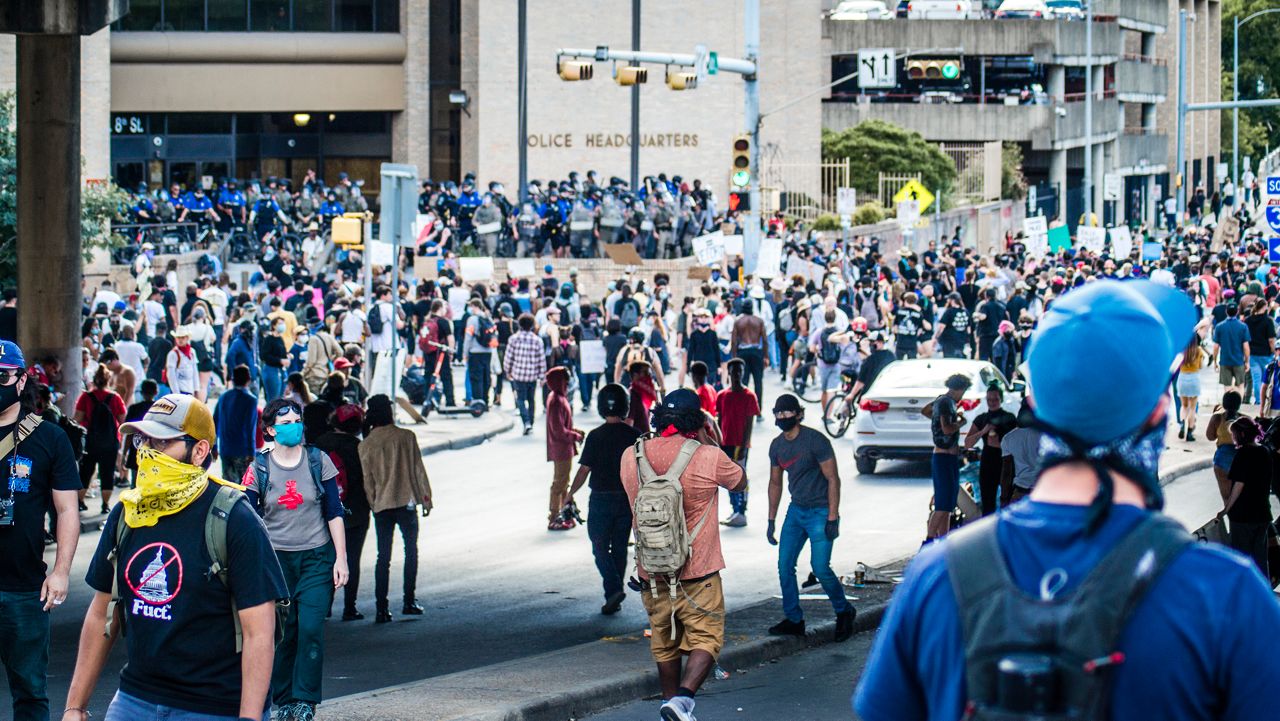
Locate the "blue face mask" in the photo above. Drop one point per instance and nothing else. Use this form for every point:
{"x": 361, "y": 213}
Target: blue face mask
{"x": 289, "y": 434}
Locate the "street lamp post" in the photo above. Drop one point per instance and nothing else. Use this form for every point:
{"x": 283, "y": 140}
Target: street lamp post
{"x": 1235, "y": 95}
{"x": 1088, "y": 114}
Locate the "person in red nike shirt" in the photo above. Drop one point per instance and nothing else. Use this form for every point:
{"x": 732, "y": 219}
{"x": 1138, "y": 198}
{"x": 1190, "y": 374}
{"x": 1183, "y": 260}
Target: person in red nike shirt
{"x": 736, "y": 407}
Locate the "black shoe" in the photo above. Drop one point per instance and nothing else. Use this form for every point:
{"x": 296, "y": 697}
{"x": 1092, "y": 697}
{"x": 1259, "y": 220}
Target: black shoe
{"x": 613, "y": 603}
{"x": 352, "y": 615}
{"x": 105, "y": 509}
{"x": 382, "y": 617}
{"x": 1182, "y": 431}
{"x": 83, "y": 507}
{"x": 812, "y": 580}
{"x": 787, "y": 627}
{"x": 528, "y": 430}
{"x": 1191, "y": 435}
{"x": 844, "y": 624}
{"x": 411, "y": 609}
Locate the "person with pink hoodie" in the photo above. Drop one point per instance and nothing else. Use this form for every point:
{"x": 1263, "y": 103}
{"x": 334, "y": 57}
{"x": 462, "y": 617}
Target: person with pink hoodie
{"x": 562, "y": 446}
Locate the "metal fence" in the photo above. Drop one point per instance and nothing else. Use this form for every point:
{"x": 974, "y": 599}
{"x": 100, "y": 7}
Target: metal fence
{"x": 970, "y": 161}
{"x": 891, "y": 184}
{"x": 803, "y": 190}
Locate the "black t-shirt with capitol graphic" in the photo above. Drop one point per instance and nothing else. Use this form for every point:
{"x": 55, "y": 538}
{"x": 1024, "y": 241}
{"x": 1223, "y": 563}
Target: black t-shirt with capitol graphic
{"x": 177, "y": 617}
{"x": 42, "y": 463}
{"x": 602, "y": 453}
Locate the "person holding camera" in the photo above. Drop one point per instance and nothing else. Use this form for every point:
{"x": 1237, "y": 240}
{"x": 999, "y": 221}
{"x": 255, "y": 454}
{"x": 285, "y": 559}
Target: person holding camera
{"x": 396, "y": 483}
{"x": 946, "y": 421}
{"x": 294, "y": 489}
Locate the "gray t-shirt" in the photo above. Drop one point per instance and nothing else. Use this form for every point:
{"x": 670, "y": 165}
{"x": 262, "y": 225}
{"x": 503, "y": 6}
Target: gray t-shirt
{"x": 1023, "y": 446}
{"x": 292, "y": 513}
{"x": 473, "y": 345}
{"x": 801, "y": 460}
{"x": 944, "y": 407}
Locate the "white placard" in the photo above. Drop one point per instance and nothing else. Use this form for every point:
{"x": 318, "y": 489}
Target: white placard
{"x": 520, "y": 267}
{"x": 476, "y": 270}
{"x": 1121, "y": 242}
{"x": 908, "y": 212}
{"x": 380, "y": 253}
{"x": 1038, "y": 245}
{"x": 733, "y": 245}
{"x": 806, "y": 269}
{"x": 709, "y": 248}
{"x": 846, "y": 201}
{"x": 1035, "y": 225}
{"x": 1091, "y": 238}
{"x": 769, "y": 262}
{"x": 1112, "y": 186}
{"x": 593, "y": 356}
{"x": 458, "y": 298}
{"x": 381, "y": 382}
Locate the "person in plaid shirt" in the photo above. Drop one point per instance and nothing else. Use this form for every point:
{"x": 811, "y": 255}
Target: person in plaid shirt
{"x": 525, "y": 363}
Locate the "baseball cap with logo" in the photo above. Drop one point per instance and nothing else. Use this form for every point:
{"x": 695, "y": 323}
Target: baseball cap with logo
{"x": 11, "y": 355}
{"x": 174, "y": 416}
{"x": 681, "y": 399}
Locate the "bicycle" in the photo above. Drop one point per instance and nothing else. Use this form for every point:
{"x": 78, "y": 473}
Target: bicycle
{"x": 840, "y": 410}
{"x": 804, "y": 383}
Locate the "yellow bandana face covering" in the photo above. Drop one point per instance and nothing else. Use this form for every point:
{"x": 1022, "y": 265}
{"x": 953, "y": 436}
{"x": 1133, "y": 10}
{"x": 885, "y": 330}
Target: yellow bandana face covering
{"x": 165, "y": 487}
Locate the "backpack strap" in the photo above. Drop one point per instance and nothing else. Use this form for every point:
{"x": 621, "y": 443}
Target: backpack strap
{"x": 261, "y": 479}
{"x": 215, "y": 541}
{"x": 121, "y": 535}
{"x": 25, "y": 428}
{"x": 315, "y": 461}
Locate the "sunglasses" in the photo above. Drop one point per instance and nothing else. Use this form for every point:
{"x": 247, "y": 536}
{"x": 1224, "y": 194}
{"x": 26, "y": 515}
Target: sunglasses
{"x": 284, "y": 411}
{"x": 9, "y": 376}
{"x": 140, "y": 440}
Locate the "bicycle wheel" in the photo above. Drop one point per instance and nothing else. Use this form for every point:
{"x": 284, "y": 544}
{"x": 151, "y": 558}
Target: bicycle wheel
{"x": 837, "y": 416}
{"x": 806, "y": 385}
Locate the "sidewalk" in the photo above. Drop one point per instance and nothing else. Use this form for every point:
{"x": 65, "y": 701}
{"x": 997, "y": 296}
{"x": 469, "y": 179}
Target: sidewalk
{"x": 576, "y": 681}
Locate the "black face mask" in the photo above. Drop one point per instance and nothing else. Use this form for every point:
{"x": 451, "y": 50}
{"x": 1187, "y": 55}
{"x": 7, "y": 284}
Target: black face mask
{"x": 786, "y": 424}
{"x": 8, "y": 396}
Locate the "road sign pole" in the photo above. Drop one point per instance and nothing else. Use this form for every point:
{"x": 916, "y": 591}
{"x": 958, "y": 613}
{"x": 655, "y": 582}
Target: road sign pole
{"x": 751, "y": 111}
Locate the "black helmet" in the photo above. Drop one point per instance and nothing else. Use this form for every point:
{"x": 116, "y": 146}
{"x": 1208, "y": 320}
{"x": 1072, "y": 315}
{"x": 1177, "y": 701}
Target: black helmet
{"x": 612, "y": 401}
{"x": 636, "y": 335}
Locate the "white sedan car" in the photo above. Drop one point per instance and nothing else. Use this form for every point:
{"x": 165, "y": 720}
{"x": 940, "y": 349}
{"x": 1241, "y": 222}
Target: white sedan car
{"x": 889, "y": 423}
{"x": 861, "y": 10}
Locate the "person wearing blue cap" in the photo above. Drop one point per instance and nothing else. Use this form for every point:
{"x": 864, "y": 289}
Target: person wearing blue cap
{"x": 1114, "y": 581}
{"x": 37, "y": 471}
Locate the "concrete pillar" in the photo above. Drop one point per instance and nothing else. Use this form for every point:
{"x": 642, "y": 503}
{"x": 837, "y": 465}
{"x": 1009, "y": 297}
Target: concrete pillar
{"x": 1058, "y": 178}
{"x": 49, "y": 260}
{"x": 1100, "y": 170}
{"x": 1057, "y": 83}
{"x": 411, "y": 127}
{"x": 1151, "y": 211}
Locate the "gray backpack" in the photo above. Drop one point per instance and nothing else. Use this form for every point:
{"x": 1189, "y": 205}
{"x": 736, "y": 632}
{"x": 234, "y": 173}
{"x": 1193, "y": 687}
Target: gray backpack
{"x": 663, "y": 539}
{"x": 1050, "y": 657}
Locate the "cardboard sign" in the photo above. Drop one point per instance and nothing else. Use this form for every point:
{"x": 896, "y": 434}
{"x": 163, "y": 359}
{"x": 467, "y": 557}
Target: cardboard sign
{"x": 733, "y": 245}
{"x": 592, "y": 355}
{"x": 623, "y": 253}
{"x": 1152, "y": 251}
{"x": 520, "y": 267}
{"x": 1121, "y": 242}
{"x": 709, "y": 248}
{"x": 699, "y": 272}
{"x": 476, "y": 270}
{"x": 425, "y": 268}
{"x": 1059, "y": 238}
{"x": 1091, "y": 239}
{"x": 1226, "y": 232}
{"x": 769, "y": 262}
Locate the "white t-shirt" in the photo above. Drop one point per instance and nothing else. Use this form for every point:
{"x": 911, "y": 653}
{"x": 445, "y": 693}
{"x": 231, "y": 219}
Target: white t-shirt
{"x": 107, "y": 296}
{"x": 1023, "y": 446}
{"x": 133, "y": 354}
{"x": 153, "y": 311}
{"x": 353, "y": 327}
{"x": 217, "y": 299}
{"x": 384, "y": 341}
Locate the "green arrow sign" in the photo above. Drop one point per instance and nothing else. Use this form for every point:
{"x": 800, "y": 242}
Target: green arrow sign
{"x": 713, "y": 63}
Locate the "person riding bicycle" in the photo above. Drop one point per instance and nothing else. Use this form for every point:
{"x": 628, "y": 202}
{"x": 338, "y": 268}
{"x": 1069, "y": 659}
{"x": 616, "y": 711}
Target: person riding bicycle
{"x": 875, "y": 362}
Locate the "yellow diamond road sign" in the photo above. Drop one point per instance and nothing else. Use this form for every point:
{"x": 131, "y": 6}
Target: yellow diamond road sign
{"x": 915, "y": 190}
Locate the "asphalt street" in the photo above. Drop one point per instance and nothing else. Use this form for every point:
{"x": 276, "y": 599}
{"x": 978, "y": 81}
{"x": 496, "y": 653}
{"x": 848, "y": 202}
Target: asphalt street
{"x": 497, "y": 585}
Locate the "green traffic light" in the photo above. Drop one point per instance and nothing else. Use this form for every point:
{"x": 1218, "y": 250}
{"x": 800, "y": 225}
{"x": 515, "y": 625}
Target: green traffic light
{"x": 741, "y": 178}
{"x": 951, "y": 70}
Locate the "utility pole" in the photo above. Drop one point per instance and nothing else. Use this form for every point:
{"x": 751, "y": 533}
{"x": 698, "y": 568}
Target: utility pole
{"x": 751, "y": 115}
{"x": 522, "y": 80}
{"x": 1088, "y": 114}
{"x": 635, "y": 100}
{"x": 1235, "y": 112}
{"x": 1179, "y": 175}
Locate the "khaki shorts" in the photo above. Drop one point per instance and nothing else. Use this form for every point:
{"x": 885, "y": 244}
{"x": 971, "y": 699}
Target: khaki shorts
{"x": 1233, "y": 375}
{"x": 699, "y": 614}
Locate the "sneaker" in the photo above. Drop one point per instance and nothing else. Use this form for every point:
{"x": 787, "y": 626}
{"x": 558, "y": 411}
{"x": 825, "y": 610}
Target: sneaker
{"x": 305, "y": 712}
{"x": 1191, "y": 435}
{"x": 528, "y": 429}
{"x": 383, "y": 616}
{"x": 787, "y": 627}
{"x": 352, "y": 614}
{"x": 810, "y": 582}
{"x": 679, "y": 708}
{"x": 285, "y": 712}
{"x": 613, "y": 603}
{"x": 1182, "y": 431}
{"x": 105, "y": 509}
{"x": 83, "y": 507}
{"x": 736, "y": 520}
{"x": 560, "y": 525}
{"x": 411, "y": 608}
{"x": 844, "y": 624}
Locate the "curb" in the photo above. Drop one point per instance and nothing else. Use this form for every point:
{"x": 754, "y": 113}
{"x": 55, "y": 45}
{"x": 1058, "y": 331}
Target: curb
{"x": 466, "y": 441}
{"x": 1185, "y": 469}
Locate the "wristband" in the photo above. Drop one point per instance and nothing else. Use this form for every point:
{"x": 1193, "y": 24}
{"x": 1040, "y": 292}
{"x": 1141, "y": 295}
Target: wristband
{"x": 87, "y": 713}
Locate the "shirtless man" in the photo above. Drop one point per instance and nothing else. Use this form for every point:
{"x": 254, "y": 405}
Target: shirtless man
{"x": 124, "y": 379}
{"x": 747, "y": 343}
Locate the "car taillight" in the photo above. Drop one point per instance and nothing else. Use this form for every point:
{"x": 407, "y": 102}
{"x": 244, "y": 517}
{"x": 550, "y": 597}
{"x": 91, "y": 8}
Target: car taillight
{"x": 970, "y": 403}
{"x": 874, "y": 406}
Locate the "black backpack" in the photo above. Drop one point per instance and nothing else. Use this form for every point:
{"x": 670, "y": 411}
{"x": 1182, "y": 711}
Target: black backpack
{"x": 100, "y": 436}
{"x": 486, "y": 333}
{"x": 629, "y": 316}
{"x": 829, "y": 350}
{"x": 375, "y": 319}
{"x": 1050, "y": 658}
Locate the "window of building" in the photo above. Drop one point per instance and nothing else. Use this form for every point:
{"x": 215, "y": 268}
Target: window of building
{"x": 199, "y": 123}
{"x": 262, "y": 16}
{"x": 354, "y": 15}
{"x": 356, "y": 123}
{"x": 144, "y": 15}
{"x": 269, "y": 16}
{"x": 312, "y": 15}
{"x": 185, "y": 15}
{"x": 227, "y": 15}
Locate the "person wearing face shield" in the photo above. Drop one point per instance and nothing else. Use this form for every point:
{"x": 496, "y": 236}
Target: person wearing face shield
{"x": 294, "y": 488}
{"x": 1087, "y": 567}
{"x": 184, "y": 570}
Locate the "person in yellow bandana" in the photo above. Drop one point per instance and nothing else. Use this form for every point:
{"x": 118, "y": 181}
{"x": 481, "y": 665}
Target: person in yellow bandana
{"x": 200, "y": 638}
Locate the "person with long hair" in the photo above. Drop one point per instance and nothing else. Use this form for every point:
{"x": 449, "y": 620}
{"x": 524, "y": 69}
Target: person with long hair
{"x": 101, "y": 411}
{"x": 1219, "y": 431}
{"x": 1248, "y": 502}
{"x": 1188, "y": 386}
{"x": 295, "y": 389}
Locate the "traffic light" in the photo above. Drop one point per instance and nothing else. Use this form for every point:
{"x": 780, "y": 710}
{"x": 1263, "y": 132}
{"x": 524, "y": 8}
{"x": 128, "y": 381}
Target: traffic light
{"x": 682, "y": 81}
{"x": 631, "y": 75}
{"x": 933, "y": 69}
{"x": 739, "y": 200}
{"x": 348, "y": 230}
{"x": 740, "y": 173}
{"x": 576, "y": 70}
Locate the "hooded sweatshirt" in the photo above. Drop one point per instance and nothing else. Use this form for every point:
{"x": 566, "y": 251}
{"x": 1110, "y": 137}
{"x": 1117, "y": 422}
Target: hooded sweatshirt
{"x": 561, "y": 437}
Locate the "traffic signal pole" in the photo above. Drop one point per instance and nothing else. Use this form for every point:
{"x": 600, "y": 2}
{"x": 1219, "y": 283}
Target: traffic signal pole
{"x": 751, "y": 220}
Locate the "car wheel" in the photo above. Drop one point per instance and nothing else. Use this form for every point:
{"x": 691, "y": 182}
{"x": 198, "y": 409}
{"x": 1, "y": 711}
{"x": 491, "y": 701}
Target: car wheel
{"x": 866, "y": 464}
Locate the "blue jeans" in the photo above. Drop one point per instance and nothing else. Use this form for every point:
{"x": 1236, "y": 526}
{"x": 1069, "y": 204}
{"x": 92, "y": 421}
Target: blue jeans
{"x": 809, "y": 524}
{"x": 24, "y": 650}
{"x": 587, "y": 384}
{"x": 609, "y": 528}
{"x": 1256, "y": 368}
{"x": 129, "y": 708}
{"x": 272, "y": 382}
{"x": 524, "y": 399}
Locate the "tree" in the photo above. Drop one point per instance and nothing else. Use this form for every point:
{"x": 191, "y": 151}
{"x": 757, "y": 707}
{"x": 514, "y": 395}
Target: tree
{"x": 1013, "y": 185}
{"x": 1259, "y": 61}
{"x": 875, "y": 147}
{"x": 99, "y": 204}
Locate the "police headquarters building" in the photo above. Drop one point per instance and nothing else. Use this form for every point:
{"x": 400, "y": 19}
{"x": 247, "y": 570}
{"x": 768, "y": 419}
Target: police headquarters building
{"x": 191, "y": 91}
